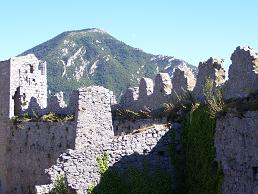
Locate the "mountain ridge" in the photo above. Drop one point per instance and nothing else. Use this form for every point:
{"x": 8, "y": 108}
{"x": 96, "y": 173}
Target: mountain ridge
{"x": 92, "y": 56}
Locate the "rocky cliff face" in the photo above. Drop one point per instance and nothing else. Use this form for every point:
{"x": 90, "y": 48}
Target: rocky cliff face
{"x": 92, "y": 56}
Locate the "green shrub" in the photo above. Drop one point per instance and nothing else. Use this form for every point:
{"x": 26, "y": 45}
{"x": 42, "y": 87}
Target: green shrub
{"x": 131, "y": 181}
{"x": 60, "y": 186}
{"x": 214, "y": 98}
{"x": 24, "y": 118}
{"x": 196, "y": 171}
{"x": 103, "y": 163}
{"x": 49, "y": 117}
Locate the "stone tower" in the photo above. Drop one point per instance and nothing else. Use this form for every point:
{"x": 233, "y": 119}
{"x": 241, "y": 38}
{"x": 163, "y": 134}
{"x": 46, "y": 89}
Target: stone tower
{"x": 22, "y": 80}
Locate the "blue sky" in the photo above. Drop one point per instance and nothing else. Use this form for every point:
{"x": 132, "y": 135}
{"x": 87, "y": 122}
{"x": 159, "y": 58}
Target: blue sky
{"x": 190, "y": 30}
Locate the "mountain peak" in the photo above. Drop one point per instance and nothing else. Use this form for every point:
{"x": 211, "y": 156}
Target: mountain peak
{"x": 87, "y": 30}
{"x": 92, "y": 56}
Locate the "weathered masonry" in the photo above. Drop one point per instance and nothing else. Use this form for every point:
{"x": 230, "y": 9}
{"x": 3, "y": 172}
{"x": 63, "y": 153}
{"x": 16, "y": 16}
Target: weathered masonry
{"x": 33, "y": 154}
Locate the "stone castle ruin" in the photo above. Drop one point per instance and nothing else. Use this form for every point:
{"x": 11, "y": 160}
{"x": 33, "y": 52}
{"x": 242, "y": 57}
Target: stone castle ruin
{"x": 23, "y": 78}
{"x": 33, "y": 154}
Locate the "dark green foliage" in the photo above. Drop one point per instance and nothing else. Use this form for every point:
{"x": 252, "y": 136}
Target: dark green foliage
{"x": 131, "y": 181}
{"x": 60, "y": 186}
{"x": 134, "y": 181}
{"x": 196, "y": 170}
{"x": 103, "y": 163}
{"x": 214, "y": 99}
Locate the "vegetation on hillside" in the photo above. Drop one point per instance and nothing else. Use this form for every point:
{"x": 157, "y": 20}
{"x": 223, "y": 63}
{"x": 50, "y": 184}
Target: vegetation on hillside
{"x": 117, "y": 64}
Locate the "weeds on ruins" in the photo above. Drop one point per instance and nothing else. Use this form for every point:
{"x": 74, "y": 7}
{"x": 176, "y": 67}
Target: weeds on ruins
{"x": 60, "y": 186}
{"x": 131, "y": 181}
{"x": 196, "y": 170}
{"x": 213, "y": 98}
{"x": 50, "y": 117}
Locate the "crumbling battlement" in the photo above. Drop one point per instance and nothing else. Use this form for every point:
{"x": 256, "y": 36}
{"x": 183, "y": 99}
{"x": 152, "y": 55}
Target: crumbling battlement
{"x": 24, "y": 89}
{"x": 211, "y": 69}
{"x": 242, "y": 81}
{"x": 22, "y": 78}
{"x": 242, "y": 73}
{"x": 151, "y": 95}
{"x": 183, "y": 80}
{"x": 27, "y": 79}
{"x": 71, "y": 149}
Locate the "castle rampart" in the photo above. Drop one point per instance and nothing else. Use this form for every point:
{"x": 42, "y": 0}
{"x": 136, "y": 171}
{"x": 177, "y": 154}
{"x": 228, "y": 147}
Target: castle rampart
{"x": 28, "y": 79}
{"x": 151, "y": 95}
{"x": 33, "y": 147}
{"x": 71, "y": 148}
{"x": 236, "y": 141}
{"x": 242, "y": 73}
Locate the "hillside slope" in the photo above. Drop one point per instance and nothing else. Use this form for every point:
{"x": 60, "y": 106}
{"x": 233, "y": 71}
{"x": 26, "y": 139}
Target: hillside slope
{"x": 92, "y": 56}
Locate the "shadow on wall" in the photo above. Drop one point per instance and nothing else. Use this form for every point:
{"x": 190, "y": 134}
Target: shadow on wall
{"x": 56, "y": 104}
{"x": 148, "y": 171}
{"x": 122, "y": 126}
{"x": 32, "y": 148}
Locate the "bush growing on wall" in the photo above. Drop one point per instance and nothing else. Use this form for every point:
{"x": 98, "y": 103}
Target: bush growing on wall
{"x": 196, "y": 171}
{"x": 60, "y": 186}
{"x": 131, "y": 181}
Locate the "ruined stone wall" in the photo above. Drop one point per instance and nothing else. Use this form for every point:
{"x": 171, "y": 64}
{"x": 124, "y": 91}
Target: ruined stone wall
{"x": 95, "y": 135}
{"x": 31, "y": 148}
{"x": 122, "y": 127}
{"x": 24, "y": 83}
{"x": 236, "y": 140}
{"x": 5, "y": 88}
{"x": 28, "y": 83}
{"x": 183, "y": 80}
{"x": 4, "y": 109}
{"x": 211, "y": 69}
{"x": 148, "y": 146}
{"x": 242, "y": 74}
{"x": 151, "y": 95}
{"x": 93, "y": 131}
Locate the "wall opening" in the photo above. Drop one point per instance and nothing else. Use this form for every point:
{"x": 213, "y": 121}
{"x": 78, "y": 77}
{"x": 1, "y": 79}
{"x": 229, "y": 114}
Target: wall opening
{"x": 17, "y": 101}
{"x": 31, "y": 68}
{"x": 42, "y": 68}
{"x": 255, "y": 173}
